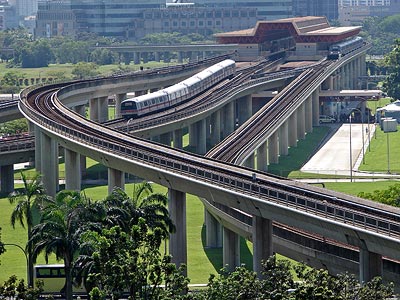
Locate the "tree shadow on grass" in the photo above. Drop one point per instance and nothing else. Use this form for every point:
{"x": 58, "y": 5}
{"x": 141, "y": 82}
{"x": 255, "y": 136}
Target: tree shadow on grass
{"x": 214, "y": 255}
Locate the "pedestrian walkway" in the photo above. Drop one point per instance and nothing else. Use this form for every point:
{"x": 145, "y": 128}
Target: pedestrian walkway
{"x": 343, "y": 150}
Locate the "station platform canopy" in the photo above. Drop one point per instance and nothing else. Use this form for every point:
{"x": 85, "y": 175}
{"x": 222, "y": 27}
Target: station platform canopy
{"x": 303, "y": 29}
{"x": 351, "y": 93}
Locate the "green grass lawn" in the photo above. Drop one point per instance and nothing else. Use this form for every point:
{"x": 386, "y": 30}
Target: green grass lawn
{"x": 65, "y": 69}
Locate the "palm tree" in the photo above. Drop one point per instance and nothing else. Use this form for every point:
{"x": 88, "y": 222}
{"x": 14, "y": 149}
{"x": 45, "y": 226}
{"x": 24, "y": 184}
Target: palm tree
{"x": 59, "y": 230}
{"x": 33, "y": 194}
{"x": 125, "y": 211}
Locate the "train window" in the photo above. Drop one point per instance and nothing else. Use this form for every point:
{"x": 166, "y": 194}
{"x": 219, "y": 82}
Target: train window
{"x": 126, "y": 104}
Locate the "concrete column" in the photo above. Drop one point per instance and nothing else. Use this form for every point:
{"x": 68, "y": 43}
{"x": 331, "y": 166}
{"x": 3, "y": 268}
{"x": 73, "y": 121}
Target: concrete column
{"x": 157, "y": 56}
{"x": 49, "y": 164}
{"x": 208, "y": 128}
{"x": 193, "y": 135}
{"x": 72, "y": 170}
{"x": 315, "y": 108}
{"x": 215, "y": 127}
{"x": 293, "y": 130}
{"x": 250, "y": 161}
{"x": 342, "y": 78}
{"x": 177, "y": 240}
{"x": 229, "y": 118}
{"x": 308, "y": 114}
{"x": 136, "y": 58}
{"x": 262, "y": 242}
{"x": 177, "y": 136}
{"x": 330, "y": 82}
{"x": 38, "y": 151}
{"x": 165, "y": 139}
{"x": 81, "y": 109}
{"x": 213, "y": 231}
{"x": 284, "y": 139}
{"x": 103, "y": 108}
{"x": 370, "y": 265}
{"x": 262, "y": 157}
{"x": 93, "y": 110}
{"x": 245, "y": 105}
{"x": 116, "y": 178}
{"x": 273, "y": 148}
{"x": 301, "y": 122}
{"x": 118, "y": 100}
{"x": 231, "y": 250}
{"x": 180, "y": 57}
{"x": 7, "y": 179}
{"x": 145, "y": 57}
{"x": 202, "y": 134}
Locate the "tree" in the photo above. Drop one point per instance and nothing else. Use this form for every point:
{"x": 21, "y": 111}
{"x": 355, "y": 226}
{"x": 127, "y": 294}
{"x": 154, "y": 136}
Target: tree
{"x": 392, "y": 83}
{"x": 59, "y": 229}
{"x": 131, "y": 261}
{"x": 84, "y": 70}
{"x": 33, "y": 195}
{"x": 2, "y": 249}
{"x": 14, "y": 289}
{"x": 126, "y": 212}
{"x": 73, "y": 52}
{"x": 389, "y": 196}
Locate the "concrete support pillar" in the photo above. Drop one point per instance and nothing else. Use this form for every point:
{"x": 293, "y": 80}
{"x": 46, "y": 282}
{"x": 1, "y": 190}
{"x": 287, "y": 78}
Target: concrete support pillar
{"x": 81, "y": 109}
{"x": 193, "y": 135}
{"x": 273, "y": 148}
{"x": 229, "y": 118}
{"x": 177, "y": 240}
{"x": 157, "y": 56}
{"x": 136, "y": 58}
{"x": 308, "y": 114}
{"x": 250, "y": 161}
{"x": 245, "y": 105}
{"x": 177, "y": 137}
{"x": 330, "y": 82}
{"x": 118, "y": 100}
{"x": 7, "y": 179}
{"x": 284, "y": 139}
{"x": 370, "y": 265}
{"x": 103, "y": 108}
{"x": 116, "y": 178}
{"x": 342, "y": 78}
{"x": 38, "y": 151}
{"x": 49, "y": 164}
{"x": 293, "y": 130}
{"x": 145, "y": 57}
{"x": 262, "y": 242}
{"x": 262, "y": 157}
{"x": 231, "y": 250}
{"x": 180, "y": 57}
{"x": 72, "y": 170}
{"x": 215, "y": 127}
{"x": 165, "y": 139}
{"x": 301, "y": 122}
{"x": 213, "y": 231}
{"x": 202, "y": 137}
{"x": 315, "y": 108}
{"x": 94, "y": 110}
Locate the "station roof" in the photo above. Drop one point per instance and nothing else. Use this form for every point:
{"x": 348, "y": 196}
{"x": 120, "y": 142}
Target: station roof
{"x": 302, "y": 29}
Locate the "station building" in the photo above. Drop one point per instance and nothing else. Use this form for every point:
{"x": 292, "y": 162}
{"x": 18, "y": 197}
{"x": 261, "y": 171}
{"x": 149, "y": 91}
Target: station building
{"x": 303, "y": 38}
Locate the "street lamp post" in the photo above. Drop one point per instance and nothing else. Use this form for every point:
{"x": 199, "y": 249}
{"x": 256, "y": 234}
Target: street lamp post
{"x": 127, "y": 125}
{"x": 26, "y": 258}
{"x": 351, "y": 158}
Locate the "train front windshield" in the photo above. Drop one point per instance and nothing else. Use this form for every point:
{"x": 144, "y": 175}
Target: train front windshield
{"x": 128, "y": 108}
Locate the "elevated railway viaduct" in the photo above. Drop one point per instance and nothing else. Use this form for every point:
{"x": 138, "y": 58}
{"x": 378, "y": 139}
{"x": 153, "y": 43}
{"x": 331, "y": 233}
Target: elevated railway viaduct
{"x": 339, "y": 217}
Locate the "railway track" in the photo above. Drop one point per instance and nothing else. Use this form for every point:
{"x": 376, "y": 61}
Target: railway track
{"x": 46, "y": 109}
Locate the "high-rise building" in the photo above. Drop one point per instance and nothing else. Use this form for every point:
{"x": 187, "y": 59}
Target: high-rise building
{"x": 118, "y": 18}
{"x": 26, "y": 7}
{"x": 327, "y": 8}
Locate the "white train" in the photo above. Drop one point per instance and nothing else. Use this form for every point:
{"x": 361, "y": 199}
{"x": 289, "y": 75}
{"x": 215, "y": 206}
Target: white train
{"x": 178, "y": 93}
